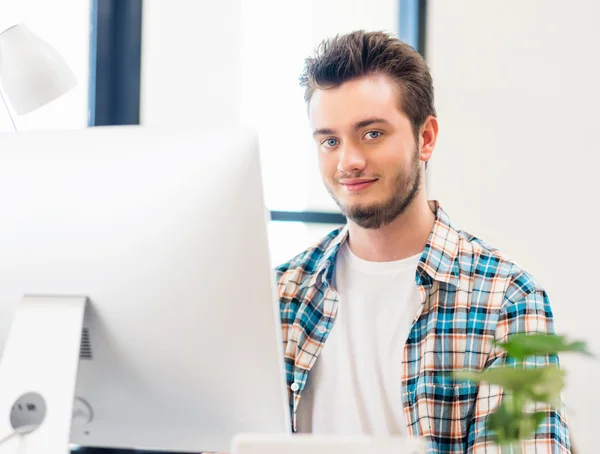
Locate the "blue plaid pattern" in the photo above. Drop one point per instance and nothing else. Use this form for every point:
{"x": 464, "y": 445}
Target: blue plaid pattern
{"x": 472, "y": 294}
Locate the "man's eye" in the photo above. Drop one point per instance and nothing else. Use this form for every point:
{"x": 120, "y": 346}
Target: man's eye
{"x": 373, "y": 134}
{"x": 330, "y": 143}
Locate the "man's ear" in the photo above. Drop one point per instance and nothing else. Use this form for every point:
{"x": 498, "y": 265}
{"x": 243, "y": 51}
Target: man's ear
{"x": 427, "y": 138}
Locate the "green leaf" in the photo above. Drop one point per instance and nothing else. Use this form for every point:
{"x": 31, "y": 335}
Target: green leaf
{"x": 520, "y": 346}
{"x": 510, "y": 424}
{"x": 504, "y": 423}
{"x": 530, "y": 423}
{"x": 548, "y": 387}
{"x": 539, "y": 384}
{"x": 539, "y": 418}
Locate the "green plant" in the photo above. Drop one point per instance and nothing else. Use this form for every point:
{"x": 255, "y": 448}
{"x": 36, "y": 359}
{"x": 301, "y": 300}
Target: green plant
{"x": 510, "y": 422}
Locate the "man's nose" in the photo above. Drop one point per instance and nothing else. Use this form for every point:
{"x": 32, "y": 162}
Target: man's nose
{"x": 351, "y": 159}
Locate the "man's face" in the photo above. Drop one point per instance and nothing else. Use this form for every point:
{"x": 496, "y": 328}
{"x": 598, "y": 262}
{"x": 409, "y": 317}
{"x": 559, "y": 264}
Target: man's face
{"x": 368, "y": 157}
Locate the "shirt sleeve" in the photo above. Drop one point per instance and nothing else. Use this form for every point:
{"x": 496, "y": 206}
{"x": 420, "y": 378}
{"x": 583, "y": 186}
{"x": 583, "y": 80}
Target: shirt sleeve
{"x": 526, "y": 309}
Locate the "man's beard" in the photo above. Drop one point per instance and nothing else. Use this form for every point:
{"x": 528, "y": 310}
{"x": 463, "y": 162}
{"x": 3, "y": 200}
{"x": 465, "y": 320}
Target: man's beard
{"x": 407, "y": 186}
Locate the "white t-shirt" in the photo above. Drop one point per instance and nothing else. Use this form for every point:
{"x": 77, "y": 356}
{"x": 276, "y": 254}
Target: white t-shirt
{"x": 355, "y": 386}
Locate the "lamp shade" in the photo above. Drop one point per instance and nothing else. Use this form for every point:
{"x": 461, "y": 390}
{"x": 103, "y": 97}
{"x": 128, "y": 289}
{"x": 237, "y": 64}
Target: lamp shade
{"x": 32, "y": 72}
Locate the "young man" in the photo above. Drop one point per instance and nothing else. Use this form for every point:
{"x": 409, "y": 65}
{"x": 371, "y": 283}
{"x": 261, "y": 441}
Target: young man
{"x": 380, "y": 312}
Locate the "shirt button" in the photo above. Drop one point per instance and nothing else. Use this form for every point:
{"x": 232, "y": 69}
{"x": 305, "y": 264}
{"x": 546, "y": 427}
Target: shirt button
{"x": 322, "y": 329}
{"x": 294, "y": 387}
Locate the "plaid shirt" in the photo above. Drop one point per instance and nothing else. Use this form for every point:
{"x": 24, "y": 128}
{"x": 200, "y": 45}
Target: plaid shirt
{"x": 472, "y": 294}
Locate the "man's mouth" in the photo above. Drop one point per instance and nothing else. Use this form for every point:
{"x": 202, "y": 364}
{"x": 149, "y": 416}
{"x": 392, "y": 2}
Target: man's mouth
{"x": 357, "y": 184}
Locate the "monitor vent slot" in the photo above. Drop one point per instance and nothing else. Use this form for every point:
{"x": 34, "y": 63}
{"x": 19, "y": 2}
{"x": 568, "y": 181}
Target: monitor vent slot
{"x": 85, "y": 351}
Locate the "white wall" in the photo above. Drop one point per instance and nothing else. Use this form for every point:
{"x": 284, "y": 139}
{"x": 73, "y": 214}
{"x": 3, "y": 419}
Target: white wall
{"x": 517, "y": 161}
{"x": 65, "y": 24}
{"x": 288, "y": 239}
{"x": 190, "y": 62}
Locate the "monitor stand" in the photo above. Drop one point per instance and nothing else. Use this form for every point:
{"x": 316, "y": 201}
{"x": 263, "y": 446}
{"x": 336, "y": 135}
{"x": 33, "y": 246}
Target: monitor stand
{"x": 38, "y": 374}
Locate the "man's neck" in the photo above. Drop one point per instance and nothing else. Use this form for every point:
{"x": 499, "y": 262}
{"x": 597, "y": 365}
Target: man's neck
{"x": 404, "y": 237}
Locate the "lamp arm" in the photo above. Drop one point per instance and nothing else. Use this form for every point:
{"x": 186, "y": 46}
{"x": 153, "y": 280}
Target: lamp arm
{"x": 8, "y": 110}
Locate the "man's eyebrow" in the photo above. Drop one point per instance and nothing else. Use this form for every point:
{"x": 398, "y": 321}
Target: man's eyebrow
{"x": 357, "y": 126}
{"x": 323, "y": 132}
{"x": 368, "y": 122}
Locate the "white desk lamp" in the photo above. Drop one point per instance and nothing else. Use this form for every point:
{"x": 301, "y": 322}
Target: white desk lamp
{"x": 32, "y": 72}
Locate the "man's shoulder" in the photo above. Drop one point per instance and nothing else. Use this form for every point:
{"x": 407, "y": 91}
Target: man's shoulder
{"x": 304, "y": 265}
{"x": 483, "y": 261}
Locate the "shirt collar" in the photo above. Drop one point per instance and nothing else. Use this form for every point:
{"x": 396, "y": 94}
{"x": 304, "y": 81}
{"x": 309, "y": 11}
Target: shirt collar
{"x": 441, "y": 254}
{"x": 439, "y": 260}
{"x": 327, "y": 263}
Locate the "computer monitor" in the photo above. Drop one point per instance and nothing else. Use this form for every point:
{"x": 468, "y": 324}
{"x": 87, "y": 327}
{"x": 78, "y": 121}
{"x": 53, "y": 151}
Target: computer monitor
{"x": 161, "y": 236}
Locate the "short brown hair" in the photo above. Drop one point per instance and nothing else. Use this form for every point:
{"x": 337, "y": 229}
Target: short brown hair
{"x": 360, "y": 53}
